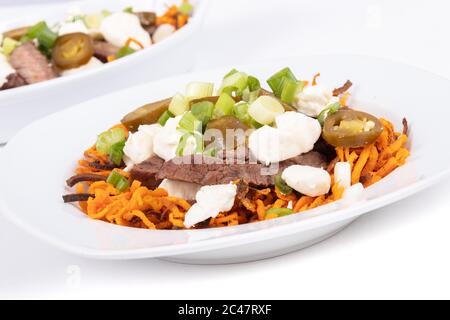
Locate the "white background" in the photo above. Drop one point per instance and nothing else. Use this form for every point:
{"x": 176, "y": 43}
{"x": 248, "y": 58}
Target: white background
{"x": 401, "y": 251}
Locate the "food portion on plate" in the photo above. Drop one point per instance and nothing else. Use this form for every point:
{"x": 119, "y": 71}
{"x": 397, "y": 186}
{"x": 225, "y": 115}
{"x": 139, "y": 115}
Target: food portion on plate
{"x": 44, "y": 51}
{"x": 240, "y": 154}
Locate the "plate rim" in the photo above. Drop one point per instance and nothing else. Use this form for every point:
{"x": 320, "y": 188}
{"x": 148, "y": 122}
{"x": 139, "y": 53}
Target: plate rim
{"x": 227, "y": 241}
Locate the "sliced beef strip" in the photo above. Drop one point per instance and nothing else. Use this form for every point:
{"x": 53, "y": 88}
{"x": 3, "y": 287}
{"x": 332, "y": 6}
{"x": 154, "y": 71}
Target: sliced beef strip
{"x": 84, "y": 177}
{"x": 14, "y": 80}
{"x": 31, "y": 64}
{"x": 209, "y": 171}
{"x": 103, "y": 49}
{"x": 77, "y": 197}
{"x": 342, "y": 89}
{"x": 146, "y": 172}
{"x": 100, "y": 166}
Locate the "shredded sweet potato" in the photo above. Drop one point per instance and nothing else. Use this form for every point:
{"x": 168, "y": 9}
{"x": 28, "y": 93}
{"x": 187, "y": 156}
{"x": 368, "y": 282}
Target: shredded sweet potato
{"x": 154, "y": 209}
{"x": 359, "y": 166}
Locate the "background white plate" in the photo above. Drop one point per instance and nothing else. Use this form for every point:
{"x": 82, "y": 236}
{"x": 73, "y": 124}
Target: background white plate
{"x": 45, "y": 154}
{"x": 174, "y": 55}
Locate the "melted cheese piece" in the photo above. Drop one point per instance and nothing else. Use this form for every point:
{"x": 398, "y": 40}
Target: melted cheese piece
{"x": 307, "y": 180}
{"x": 211, "y": 200}
{"x": 118, "y": 27}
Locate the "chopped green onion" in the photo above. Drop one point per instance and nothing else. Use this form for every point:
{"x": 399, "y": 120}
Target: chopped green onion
{"x": 118, "y": 181}
{"x": 240, "y": 111}
{"x": 196, "y": 90}
{"x": 282, "y": 186}
{"x": 203, "y": 111}
{"x": 265, "y": 109}
{"x": 224, "y": 105}
{"x": 116, "y": 152}
{"x": 166, "y": 115}
{"x": 124, "y": 51}
{"x": 290, "y": 89}
{"x": 122, "y": 185}
{"x": 189, "y": 123}
{"x": 45, "y": 36}
{"x": 276, "y": 81}
{"x": 108, "y": 138}
{"x": 128, "y": 10}
{"x": 106, "y": 13}
{"x": 253, "y": 83}
{"x": 185, "y": 146}
{"x": 232, "y": 71}
{"x": 255, "y": 124}
{"x": 234, "y": 83}
{"x": 9, "y": 45}
{"x": 327, "y": 112}
{"x": 280, "y": 211}
{"x": 178, "y": 105}
{"x": 114, "y": 177}
{"x": 250, "y": 96}
{"x": 185, "y": 8}
{"x": 94, "y": 20}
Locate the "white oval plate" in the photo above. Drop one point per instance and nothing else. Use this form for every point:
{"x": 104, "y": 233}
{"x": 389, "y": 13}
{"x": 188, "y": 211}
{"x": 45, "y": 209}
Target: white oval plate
{"x": 35, "y": 164}
{"x": 20, "y": 106}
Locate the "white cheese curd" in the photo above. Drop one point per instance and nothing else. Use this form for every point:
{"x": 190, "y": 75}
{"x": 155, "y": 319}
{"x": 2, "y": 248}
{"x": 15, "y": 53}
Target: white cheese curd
{"x": 343, "y": 174}
{"x": 264, "y": 144}
{"x": 166, "y": 141}
{"x": 180, "y": 189}
{"x": 307, "y": 180}
{"x": 91, "y": 64}
{"x": 118, "y": 27}
{"x": 139, "y": 145}
{"x": 290, "y": 205}
{"x": 313, "y": 99}
{"x": 5, "y": 69}
{"x": 211, "y": 200}
{"x": 353, "y": 194}
{"x": 72, "y": 27}
{"x": 163, "y": 32}
{"x": 304, "y": 130}
{"x": 295, "y": 134}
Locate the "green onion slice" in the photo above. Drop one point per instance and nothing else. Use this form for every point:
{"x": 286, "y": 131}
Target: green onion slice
{"x": 183, "y": 147}
{"x": 290, "y": 89}
{"x": 116, "y": 152}
{"x": 166, "y": 115}
{"x": 44, "y": 35}
{"x": 189, "y": 123}
{"x": 124, "y": 51}
{"x": 128, "y": 10}
{"x": 197, "y": 90}
{"x": 234, "y": 83}
{"x": 253, "y": 83}
{"x": 328, "y": 112}
{"x": 276, "y": 81}
{"x": 203, "y": 111}
{"x": 178, "y": 105}
{"x": 280, "y": 211}
{"x": 108, "y": 138}
{"x": 240, "y": 111}
{"x": 118, "y": 181}
{"x": 9, "y": 45}
{"x": 282, "y": 186}
{"x": 224, "y": 105}
{"x": 185, "y": 8}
